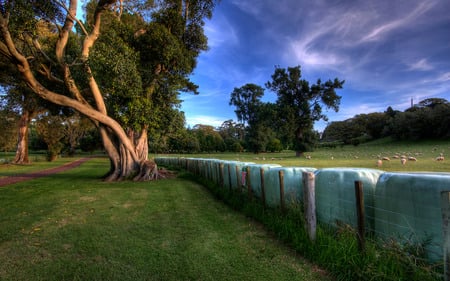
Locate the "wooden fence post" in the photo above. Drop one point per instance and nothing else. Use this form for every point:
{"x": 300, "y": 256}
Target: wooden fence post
{"x": 281, "y": 180}
{"x": 263, "y": 191}
{"x": 309, "y": 201}
{"x": 445, "y": 206}
{"x": 359, "y": 194}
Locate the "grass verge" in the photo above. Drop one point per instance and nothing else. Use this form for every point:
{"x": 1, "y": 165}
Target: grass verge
{"x": 72, "y": 226}
{"x": 336, "y": 250}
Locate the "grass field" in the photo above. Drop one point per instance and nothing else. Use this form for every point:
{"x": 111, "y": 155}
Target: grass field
{"x": 362, "y": 156}
{"x": 37, "y": 164}
{"x": 72, "y": 226}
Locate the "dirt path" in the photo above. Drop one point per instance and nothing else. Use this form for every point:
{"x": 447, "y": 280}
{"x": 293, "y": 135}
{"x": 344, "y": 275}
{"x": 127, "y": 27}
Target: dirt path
{"x": 29, "y": 176}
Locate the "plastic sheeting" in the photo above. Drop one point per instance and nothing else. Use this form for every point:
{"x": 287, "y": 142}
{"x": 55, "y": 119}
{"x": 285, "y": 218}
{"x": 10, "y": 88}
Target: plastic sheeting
{"x": 335, "y": 194}
{"x": 408, "y": 208}
{"x": 233, "y": 174}
{"x": 293, "y": 185}
{"x": 254, "y": 176}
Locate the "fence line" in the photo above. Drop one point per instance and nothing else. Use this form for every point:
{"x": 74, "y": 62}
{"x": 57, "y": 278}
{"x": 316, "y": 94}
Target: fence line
{"x": 396, "y": 205}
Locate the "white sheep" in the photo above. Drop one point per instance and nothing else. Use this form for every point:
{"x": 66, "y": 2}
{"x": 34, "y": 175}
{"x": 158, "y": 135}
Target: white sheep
{"x": 386, "y": 158}
{"x": 440, "y": 158}
{"x": 403, "y": 161}
{"x": 379, "y": 163}
{"x": 410, "y": 158}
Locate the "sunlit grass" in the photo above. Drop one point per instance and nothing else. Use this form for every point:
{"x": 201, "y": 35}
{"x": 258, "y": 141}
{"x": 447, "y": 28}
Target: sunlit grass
{"x": 38, "y": 163}
{"x": 73, "y": 226}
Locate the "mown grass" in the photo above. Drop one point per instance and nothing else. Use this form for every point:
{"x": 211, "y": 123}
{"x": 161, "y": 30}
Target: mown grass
{"x": 72, "y": 226}
{"x": 362, "y": 156}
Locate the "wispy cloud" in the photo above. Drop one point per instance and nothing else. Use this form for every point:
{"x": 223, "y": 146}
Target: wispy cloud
{"x": 380, "y": 30}
{"x": 422, "y": 64}
{"x": 444, "y": 77}
{"x": 221, "y": 32}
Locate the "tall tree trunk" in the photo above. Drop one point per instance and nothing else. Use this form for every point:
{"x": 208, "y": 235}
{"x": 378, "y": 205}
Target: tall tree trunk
{"x": 22, "y": 139}
{"x": 300, "y": 140}
{"x": 123, "y": 164}
{"x": 141, "y": 144}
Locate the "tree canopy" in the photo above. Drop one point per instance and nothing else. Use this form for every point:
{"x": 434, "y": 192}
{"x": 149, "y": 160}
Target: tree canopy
{"x": 300, "y": 104}
{"x": 123, "y": 68}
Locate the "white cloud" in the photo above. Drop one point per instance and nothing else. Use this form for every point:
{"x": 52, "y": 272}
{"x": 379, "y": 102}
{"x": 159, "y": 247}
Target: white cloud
{"x": 214, "y": 121}
{"x": 444, "y": 77}
{"x": 422, "y": 64}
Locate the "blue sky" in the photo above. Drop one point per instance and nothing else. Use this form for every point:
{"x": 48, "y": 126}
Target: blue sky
{"x": 387, "y": 51}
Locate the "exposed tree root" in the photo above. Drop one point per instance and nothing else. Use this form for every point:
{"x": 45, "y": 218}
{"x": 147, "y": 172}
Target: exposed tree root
{"x": 149, "y": 171}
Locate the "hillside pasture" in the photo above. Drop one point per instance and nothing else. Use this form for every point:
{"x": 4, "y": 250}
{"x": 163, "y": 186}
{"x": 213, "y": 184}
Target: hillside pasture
{"x": 362, "y": 156}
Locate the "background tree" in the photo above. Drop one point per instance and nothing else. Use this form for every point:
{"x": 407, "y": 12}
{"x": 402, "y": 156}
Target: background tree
{"x": 8, "y": 127}
{"x": 209, "y": 139}
{"x": 75, "y": 128}
{"x": 149, "y": 60}
{"x": 90, "y": 141}
{"x": 50, "y": 129}
{"x": 233, "y": 135}
{"x": 20, "y": 98}
{"x": 301, "y": 103}
{"x": 429, "y": 119}
{"x": 250, "y": 112}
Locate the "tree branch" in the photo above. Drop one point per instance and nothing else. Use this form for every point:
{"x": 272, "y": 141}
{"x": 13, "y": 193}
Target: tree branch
{"x": 73, "y": 16}
{"x": 87, "y": 44}
{"x": 24, "y": 68}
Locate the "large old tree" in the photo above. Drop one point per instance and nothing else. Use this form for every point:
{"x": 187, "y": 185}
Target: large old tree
{"x": 123, "y": 68}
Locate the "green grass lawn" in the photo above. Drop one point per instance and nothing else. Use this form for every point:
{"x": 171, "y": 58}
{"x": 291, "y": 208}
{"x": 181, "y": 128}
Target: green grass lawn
{"x": 72, "y": 226}
{"x": 362, "y": 156}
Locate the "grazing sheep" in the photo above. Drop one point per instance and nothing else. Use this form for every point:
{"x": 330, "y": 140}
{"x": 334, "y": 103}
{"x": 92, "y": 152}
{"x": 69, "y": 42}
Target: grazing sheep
{"x": 308, "y": 157}
{"x": 379, "y": 163}
{"x": 410, "y": 158}
{"x": 386, "y": 159}
{"x": 440, "y": 158}
{"x": 403, "y": 161}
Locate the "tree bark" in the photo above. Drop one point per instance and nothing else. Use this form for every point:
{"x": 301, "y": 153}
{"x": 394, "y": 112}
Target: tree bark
{"x": 22, "y": 139}
{"x": 299, "y": 135}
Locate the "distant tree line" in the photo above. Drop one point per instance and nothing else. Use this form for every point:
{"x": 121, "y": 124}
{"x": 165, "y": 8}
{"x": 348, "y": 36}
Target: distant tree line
{"x": 429, "y": 119}
{"x": 64, "y": 134}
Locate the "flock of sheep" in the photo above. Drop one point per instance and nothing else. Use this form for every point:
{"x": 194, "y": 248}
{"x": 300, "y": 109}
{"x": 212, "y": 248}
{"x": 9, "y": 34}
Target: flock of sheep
{"x": 404, "y": 158}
